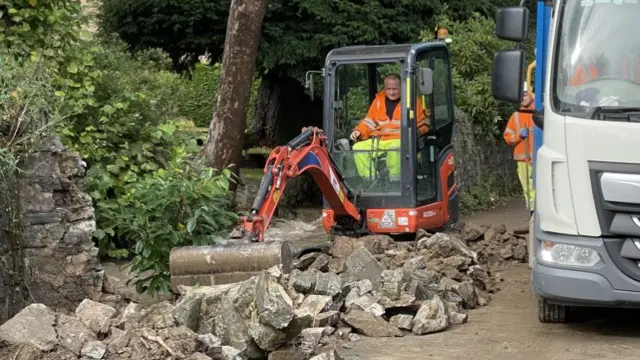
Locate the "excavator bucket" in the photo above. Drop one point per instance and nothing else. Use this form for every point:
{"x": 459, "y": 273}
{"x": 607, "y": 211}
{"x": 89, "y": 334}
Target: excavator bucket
{"x": 233, "y": 261}
{"x": 229, "y": 262}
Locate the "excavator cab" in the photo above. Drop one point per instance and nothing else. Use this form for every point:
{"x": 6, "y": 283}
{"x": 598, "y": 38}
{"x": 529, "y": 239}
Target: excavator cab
{"x": 424, "y": 194}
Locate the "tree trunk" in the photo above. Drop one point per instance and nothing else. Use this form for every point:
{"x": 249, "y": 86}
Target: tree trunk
{"x": 223, "y": 148}
{"x": 267, "y": 111}
{"x": 282, "y": 109}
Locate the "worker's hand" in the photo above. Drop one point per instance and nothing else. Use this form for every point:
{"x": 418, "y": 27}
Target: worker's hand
{"x": 524, "y": 133}
{"x": 355, "y": 135}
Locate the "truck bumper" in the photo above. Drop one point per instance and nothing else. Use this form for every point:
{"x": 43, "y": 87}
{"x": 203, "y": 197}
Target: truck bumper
{"x": 601, "y": 285}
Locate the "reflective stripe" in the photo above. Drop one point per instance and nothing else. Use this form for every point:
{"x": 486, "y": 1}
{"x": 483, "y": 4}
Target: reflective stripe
{"x": 370, "y": 123}
{"x": 396, "y": 122}
{"x": 390, "y": 130}
{"x": 517, "y": 122}
{"x": 510, "y": 131}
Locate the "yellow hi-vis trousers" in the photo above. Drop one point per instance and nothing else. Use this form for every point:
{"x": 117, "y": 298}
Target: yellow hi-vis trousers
{"x": 364, "y": 154}
{"x": 525, "y": 175}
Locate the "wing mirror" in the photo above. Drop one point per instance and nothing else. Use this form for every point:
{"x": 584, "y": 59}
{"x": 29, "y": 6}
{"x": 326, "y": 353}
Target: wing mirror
{"x": 508, "y": 75}
{"x": 512, "y": 23}
{"x": 425, "y": 80}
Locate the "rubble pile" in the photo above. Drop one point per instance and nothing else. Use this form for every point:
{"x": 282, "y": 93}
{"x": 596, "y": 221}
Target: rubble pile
{"x": 494, "y": 244}
{"x": 370, "y": 286}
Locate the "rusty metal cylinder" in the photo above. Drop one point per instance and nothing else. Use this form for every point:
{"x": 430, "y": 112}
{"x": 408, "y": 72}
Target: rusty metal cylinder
{"x": 221, "y": 264}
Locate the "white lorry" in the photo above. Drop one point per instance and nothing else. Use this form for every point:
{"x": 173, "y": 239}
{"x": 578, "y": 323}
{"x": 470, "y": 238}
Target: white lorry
{"x": 586, "y": 232}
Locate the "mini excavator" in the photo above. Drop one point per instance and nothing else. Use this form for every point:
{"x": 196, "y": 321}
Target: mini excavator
{"x": 358, "y": 200}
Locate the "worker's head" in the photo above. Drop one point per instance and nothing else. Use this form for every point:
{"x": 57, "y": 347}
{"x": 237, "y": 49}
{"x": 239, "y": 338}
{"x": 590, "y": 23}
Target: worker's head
{"x": 392, "y": 86}
{"x": 527, "y": 100}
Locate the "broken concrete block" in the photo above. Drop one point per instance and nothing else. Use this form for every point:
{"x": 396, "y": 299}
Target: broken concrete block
{"x": 370, "y": 325}
{"x": 327, "y": 284}
{"x": 310, "y": 338}
{"x": 187, "y": 310}
{"x": 274, "y": 305}
{"x": 267, "y": 337}
{"x": 321, "y": 262}
{"x": 329, "y": 318}
{"x": 158, "y": 316}
{"x": 336, "y": 265}
{"x": 430, "y": 318}
{"x": 456, "y": 318}
{"x": 362, "y": 265}
{"x": 95, "y": 315}
{"x": 393, "y": 281}
{"x": 73, "y": 334}
{"x": 118, "y": 341}
{"x": 230, "y": 353}
{"x": 314, "y": 304}
{"x": 303, "y": 281}
{"x": 33, "y": 325}
{"x": 402, "y": 321}
{"x": 442, "y": 245}
{"x": 94, "y": 350}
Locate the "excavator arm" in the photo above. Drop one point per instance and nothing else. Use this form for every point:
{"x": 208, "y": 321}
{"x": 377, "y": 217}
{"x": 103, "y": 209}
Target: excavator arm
{"x": 308, "y": 152}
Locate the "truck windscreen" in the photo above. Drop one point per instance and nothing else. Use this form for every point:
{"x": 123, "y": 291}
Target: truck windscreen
{"x": 598, "y": 56}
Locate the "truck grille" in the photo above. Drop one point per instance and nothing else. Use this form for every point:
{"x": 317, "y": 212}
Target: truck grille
{"x": 616, "y": 191}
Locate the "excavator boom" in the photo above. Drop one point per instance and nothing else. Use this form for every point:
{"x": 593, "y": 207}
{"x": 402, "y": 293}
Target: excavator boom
{"x": 245, "y": 253}
{"x": 306, "y": 153}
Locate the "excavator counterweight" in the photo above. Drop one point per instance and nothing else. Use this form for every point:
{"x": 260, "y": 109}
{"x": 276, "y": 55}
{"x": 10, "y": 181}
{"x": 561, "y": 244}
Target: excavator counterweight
{"x": 362, "y": 191}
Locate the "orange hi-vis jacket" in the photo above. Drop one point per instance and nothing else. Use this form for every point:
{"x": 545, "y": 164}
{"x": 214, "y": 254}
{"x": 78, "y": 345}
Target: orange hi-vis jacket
{"x": 581, "y": 76}
{"x": 629, "y": 69}
{"x": 517, "y": 122}
{"x": 377, "y": 119}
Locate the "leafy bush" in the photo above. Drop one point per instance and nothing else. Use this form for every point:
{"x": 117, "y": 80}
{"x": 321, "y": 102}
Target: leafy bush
{"x": 200, "y": 94}
{"x": 184, "y": 204}
{"x": 474, "y": 43}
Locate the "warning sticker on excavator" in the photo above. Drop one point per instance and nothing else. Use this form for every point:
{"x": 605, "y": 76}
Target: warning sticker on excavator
{"x": 276, "y": 195}
{"x": 336, "y": 185}
{"x": 388, "y": 220}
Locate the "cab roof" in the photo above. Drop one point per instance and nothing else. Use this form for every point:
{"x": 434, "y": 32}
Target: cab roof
{"x": 369, "y": 52}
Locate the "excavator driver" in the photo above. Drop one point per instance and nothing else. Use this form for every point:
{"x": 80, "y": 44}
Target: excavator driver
{"x": 380, "y": 130}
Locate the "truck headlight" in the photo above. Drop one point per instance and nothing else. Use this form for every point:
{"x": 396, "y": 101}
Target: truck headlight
{"x": 571, "y": 255}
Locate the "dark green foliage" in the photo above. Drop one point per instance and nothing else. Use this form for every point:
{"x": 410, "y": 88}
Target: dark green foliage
{"x": 200, "y": 92}
{"x": 296, "y": 34}
{"x": 184, "y": 27}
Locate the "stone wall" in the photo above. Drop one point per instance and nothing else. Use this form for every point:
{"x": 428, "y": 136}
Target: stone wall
{"x": 60, "y": 261}
{"x": 477, "y": 160}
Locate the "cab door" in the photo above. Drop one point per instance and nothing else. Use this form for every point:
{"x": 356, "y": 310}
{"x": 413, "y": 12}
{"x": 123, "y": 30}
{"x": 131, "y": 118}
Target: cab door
{"x": 435, "y": 167}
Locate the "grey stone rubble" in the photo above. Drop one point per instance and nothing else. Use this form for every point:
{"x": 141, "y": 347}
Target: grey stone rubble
{"x": 370, "y": 286}
{"x": 494, "y": 244}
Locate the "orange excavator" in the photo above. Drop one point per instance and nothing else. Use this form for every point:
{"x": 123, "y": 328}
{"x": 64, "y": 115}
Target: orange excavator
{"x": 360, "y": 197}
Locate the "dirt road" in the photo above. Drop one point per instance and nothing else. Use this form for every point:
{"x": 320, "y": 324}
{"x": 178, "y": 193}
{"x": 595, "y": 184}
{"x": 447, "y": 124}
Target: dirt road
{"x": 508, "y": 327}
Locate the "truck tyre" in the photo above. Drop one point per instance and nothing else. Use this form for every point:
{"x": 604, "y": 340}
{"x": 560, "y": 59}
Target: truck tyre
{"x": 551, "y": 313}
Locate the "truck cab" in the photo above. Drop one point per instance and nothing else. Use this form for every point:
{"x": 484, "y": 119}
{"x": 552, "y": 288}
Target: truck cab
{"x": 586, "y": 229}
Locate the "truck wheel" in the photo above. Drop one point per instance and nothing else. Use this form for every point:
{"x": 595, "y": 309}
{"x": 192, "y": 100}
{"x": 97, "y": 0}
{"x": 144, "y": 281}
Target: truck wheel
{"x": 551, "y": 313}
